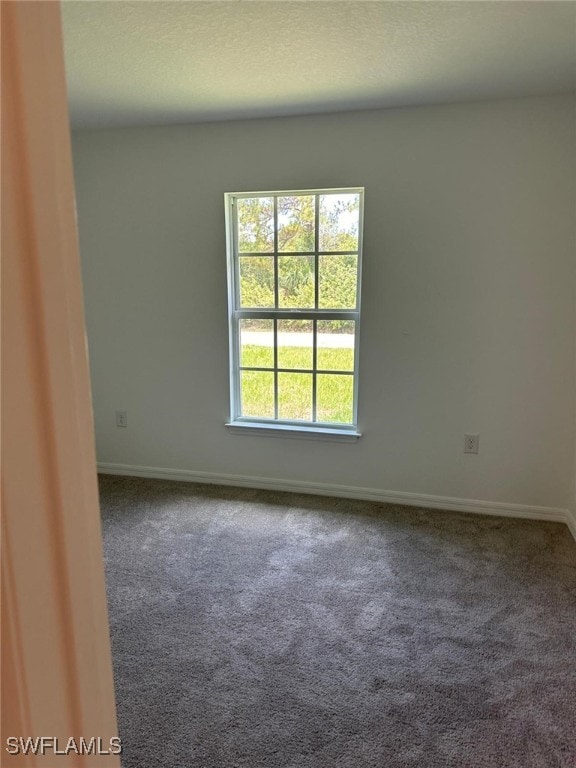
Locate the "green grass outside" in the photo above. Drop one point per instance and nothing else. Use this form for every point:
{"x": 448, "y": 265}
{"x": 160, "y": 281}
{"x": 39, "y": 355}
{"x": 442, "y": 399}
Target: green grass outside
{"x": 334, "y": 393}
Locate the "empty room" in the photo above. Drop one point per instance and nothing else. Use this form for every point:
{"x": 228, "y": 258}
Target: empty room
{"x": 328, "y": 258}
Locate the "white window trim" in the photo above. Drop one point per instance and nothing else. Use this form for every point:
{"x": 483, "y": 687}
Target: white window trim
{"x": 302, "y": 429}
{"x": 277, "y": 427}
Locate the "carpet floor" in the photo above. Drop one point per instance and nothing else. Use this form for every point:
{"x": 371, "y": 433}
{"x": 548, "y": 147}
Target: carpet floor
{"x": 253, "y": 629}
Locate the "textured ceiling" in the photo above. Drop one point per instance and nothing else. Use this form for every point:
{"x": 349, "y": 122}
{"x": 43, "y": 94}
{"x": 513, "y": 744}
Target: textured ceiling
{"x": 171, "y": 62}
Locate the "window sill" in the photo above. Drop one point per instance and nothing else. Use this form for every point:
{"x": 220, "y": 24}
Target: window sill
{"x": 286, "y": 430}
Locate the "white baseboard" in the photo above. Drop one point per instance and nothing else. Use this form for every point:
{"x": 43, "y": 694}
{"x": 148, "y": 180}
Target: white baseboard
{"x": 346, "y": 491}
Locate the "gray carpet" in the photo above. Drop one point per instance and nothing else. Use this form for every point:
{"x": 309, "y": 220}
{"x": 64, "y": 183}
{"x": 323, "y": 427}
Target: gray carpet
{"x": 253, "y": 629}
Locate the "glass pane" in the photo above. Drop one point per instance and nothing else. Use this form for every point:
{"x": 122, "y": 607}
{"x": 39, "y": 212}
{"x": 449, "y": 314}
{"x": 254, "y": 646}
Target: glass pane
{"x": 256, "y": 281}
{"x": 335, "y": 343}
{"x": 255, "y": 224}
{"x": 295, "y": 342}
{"x": 257, "y": 343}
{"x": 337, "y": 282}
{"x": 334, "y": 398}
{"x": 339, "y": 221}
{"x": 296, "y": 281}
{"x": 257, "y": 389}
{"x": 296, "y": 219}
{"x": 295, "y": 396}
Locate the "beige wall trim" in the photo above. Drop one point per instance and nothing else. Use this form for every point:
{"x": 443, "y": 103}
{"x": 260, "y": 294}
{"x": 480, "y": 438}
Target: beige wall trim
{"x": 427, "y": 501}
{"x": 571, "y": 521}
{"x": 56, "y": 648}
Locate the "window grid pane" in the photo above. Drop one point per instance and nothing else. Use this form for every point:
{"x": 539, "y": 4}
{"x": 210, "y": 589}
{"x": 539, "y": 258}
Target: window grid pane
{"x": 335, "y": 398}
{"x": 296, "y": 223}
{"x": 256, "y": 278}
{"x": 295, "y": 344}
{"x": 336, "y": 343}
{"x": 339, "y": 221}
{"x": 338, "y": 281}
{"x": 287, "y": 284}
{"x": 256, "y": 344}
{"x": 255, "y": 224}
{"x": 257, "y": 394}
{"x": 295, "y": 285}
{"x": 295, "y": 396}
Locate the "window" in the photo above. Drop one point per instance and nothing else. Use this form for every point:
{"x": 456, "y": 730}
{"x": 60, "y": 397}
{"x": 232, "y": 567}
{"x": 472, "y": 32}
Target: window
{"x": 294, "y": 262}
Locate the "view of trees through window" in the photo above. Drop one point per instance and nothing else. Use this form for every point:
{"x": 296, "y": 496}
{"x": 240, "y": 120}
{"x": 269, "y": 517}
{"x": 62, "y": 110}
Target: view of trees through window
{"x": 297, "y": 251}
{"x": 296, "y": 234}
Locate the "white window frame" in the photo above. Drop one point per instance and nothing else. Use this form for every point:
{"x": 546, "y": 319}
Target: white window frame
{"x": 274, "y": 426}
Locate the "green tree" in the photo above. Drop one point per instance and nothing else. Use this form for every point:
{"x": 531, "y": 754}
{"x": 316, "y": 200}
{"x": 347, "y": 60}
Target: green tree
{"x": 255, "y": 224}
{"x": 338, "y": 231}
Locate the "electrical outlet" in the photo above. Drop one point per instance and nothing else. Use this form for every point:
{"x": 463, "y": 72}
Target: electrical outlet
{"x": 121, "y": 419}
{"x": 471, "y": 443}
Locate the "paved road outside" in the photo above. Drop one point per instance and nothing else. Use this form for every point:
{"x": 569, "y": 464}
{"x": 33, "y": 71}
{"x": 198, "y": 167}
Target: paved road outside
{"x": 266, "y": 339}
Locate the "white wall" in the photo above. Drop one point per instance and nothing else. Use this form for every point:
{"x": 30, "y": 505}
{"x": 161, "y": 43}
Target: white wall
{"x": 468, "y": 293}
